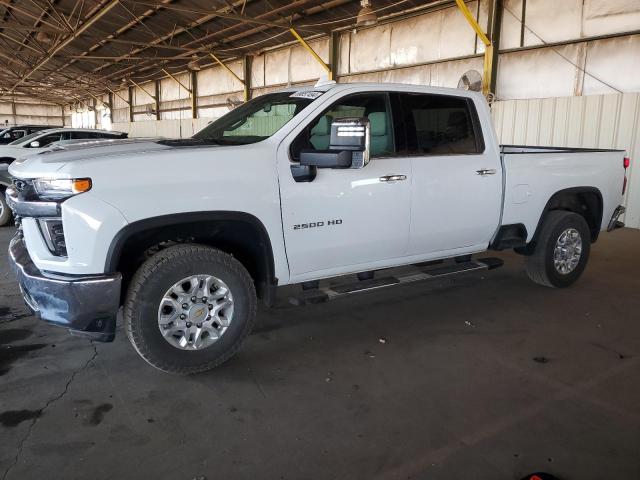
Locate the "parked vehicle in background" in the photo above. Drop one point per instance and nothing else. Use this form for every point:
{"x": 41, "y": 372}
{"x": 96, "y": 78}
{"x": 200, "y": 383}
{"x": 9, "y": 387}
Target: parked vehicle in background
{"x": 40, "y": 140}
{"x": 5, "y": 181}
{"x": 294, "y": 187}
{"x": 14, "y": 133}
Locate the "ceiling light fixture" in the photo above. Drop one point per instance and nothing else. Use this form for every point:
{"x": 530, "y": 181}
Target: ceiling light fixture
{"x": 366, "y": 15}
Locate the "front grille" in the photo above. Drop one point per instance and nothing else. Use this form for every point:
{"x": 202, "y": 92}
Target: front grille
{"x": 53, "y": 234}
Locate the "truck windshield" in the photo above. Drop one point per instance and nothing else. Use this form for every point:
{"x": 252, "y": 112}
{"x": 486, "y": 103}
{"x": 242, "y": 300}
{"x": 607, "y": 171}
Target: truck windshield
{"x": 255, "y": 120}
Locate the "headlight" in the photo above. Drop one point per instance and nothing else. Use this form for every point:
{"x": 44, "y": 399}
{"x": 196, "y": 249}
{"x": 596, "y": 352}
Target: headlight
{"x": 56, "y": 189}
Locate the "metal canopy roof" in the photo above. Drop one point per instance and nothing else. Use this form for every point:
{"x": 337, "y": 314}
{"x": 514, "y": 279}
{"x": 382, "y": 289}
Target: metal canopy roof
{"x": 61, "y": 50}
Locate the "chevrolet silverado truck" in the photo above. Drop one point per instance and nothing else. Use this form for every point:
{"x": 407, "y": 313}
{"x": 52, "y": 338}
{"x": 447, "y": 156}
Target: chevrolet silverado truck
{"x": 294, "y": 187}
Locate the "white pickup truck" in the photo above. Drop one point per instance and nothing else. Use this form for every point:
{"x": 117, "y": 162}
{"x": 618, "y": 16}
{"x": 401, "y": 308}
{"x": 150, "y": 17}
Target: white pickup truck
{"x": 293, "y": 187}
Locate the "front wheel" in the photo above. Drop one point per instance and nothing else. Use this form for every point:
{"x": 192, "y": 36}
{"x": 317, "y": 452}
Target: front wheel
{"x": 561, "y": 251}
{"x": 188, "y": 308}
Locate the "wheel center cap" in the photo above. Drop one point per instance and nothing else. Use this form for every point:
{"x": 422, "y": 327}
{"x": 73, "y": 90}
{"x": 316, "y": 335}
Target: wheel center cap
{"x": 198, "y": 313}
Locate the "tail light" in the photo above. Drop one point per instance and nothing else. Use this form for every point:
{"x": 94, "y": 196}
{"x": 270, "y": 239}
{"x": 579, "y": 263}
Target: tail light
{"x": 626, "y": 161}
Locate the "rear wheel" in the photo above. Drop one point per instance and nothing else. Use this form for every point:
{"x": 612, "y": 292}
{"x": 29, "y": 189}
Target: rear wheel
{"x": 562, "y": 250}
{"x": 5, "y": 212}
{"x": 189, "y": 308}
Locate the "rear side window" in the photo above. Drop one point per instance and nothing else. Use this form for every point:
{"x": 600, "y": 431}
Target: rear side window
{"x": 440, "y": 125}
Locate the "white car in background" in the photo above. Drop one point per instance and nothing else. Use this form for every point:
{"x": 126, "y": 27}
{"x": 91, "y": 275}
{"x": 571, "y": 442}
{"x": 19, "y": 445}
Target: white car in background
{"x": 42, "y": 140}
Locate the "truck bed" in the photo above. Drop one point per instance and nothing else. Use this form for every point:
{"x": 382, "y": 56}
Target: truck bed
{"x": 532, "y": 175}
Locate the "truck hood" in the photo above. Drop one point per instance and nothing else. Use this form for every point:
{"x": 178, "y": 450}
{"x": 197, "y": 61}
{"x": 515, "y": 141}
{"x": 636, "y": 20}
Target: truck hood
{"x": 49, "y": 162}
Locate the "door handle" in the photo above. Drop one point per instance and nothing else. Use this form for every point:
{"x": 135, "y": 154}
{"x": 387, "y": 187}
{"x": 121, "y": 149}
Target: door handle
{"x": 392, "y": 178}
{"x": 483, "y": 172}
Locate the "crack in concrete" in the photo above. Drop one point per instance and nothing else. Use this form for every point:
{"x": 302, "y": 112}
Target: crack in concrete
{"x": 50, "y": 402}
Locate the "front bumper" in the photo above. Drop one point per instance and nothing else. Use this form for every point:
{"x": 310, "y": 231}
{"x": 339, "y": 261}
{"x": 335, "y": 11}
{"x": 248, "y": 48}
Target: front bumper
{"x": 84, "y": 304}
{"x": 614, "y": 222}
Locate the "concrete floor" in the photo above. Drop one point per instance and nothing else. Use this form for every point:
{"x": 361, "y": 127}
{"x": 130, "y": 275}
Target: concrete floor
{"x": 485, "y": 377}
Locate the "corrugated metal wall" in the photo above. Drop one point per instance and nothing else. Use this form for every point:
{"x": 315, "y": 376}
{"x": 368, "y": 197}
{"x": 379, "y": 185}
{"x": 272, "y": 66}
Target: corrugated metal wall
{"x": 30, "y": 111}
{"x": 595, "y": 121}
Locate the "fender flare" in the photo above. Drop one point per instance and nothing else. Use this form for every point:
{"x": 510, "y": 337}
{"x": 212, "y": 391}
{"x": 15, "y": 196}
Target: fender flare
{"x": 268, "y": 265}
{"x": 571, "y": 191}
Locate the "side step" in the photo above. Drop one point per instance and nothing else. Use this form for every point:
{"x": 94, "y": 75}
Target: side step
{"x": 324, "y": 294}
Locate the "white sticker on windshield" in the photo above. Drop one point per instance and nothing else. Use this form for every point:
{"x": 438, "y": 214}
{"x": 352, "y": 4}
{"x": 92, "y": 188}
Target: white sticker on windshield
{"x": 306, "y": 94}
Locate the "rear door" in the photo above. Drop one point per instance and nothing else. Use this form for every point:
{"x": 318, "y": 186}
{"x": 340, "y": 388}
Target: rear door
{"x": 345, "y": 219}
{"x": 456, "y": 179}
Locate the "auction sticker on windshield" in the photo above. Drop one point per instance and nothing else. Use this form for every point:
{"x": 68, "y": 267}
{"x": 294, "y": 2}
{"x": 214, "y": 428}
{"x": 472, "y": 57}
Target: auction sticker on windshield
{"x": 306, "y": 94}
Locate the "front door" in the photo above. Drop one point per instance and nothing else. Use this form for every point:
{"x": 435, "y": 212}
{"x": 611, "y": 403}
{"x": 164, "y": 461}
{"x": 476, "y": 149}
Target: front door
{"x": 345, "y": 220}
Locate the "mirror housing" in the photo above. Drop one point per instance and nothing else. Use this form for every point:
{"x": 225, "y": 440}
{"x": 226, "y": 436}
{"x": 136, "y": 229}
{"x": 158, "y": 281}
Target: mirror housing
{"x": 348, "y": 146}
{"x": 353, "y": 135}
{"x": 34, "y": 144}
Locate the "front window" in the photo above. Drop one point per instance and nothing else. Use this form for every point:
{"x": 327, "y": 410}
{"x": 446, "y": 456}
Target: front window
{"x": 373, "y": 106}
{"x": 255, "y": 120}
{"x": 26, "y": 138}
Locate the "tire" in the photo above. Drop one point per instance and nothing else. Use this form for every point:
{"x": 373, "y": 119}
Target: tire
{"x": 151, "y": 284}
{"x": 541, "y": 266}
{"x": 5, "y": 211}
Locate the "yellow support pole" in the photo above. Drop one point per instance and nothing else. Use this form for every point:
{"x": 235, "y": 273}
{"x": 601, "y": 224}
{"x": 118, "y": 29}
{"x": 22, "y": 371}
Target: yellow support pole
{"x": 472, "y": 21}
{"x": 486, "y": 74}
{"x": 176, "y": 80}
{"x": 313, "y": 53}
{"x": 118, "y": 95}
{"x": 488, "y": 50}
{"x": 226, "y": 68}
{"x": 143, "y": 89}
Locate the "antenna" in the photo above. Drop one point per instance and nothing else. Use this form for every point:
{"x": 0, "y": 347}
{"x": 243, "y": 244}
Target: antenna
{"x": 470, "y": 80}
{"x": 324, "y": 80}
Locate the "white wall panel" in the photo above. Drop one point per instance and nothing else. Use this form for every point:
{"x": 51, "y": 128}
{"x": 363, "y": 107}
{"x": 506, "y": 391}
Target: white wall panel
{"x": 276, "y": 67}
{"x": 30, "y": 111}
{"x": 121, "y": 98}
{"x": 370, "y": 49}
{"x": 601, "y": 17}
{"x": 538, "y": 73}
{"x": 143, "y": 95}
{"x": 511, "y": 26}
{"x": 456, "y": 37}
{"x": 172, "y": 90}
{"x": 257, "y": 71}
{"x": 407, "y": 46}
{"x": 447, "y": 74}
{"x": 304, "y": 66}
{"x": 216, "y": 80}
{"x": 596, "y": 121}
{"x": 616, "y": 61}
{"x": 553, "y": 20}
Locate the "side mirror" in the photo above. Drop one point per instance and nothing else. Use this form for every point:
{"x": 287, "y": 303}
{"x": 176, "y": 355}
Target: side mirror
{"x": 352, "y": 135}
{"x": 34, "y": 144}
{"x": 348, "y": 146}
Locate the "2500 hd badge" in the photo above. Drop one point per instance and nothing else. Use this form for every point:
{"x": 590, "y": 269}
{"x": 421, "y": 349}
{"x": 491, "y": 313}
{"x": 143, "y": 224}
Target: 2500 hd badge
{"x": 301, "y": 226}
